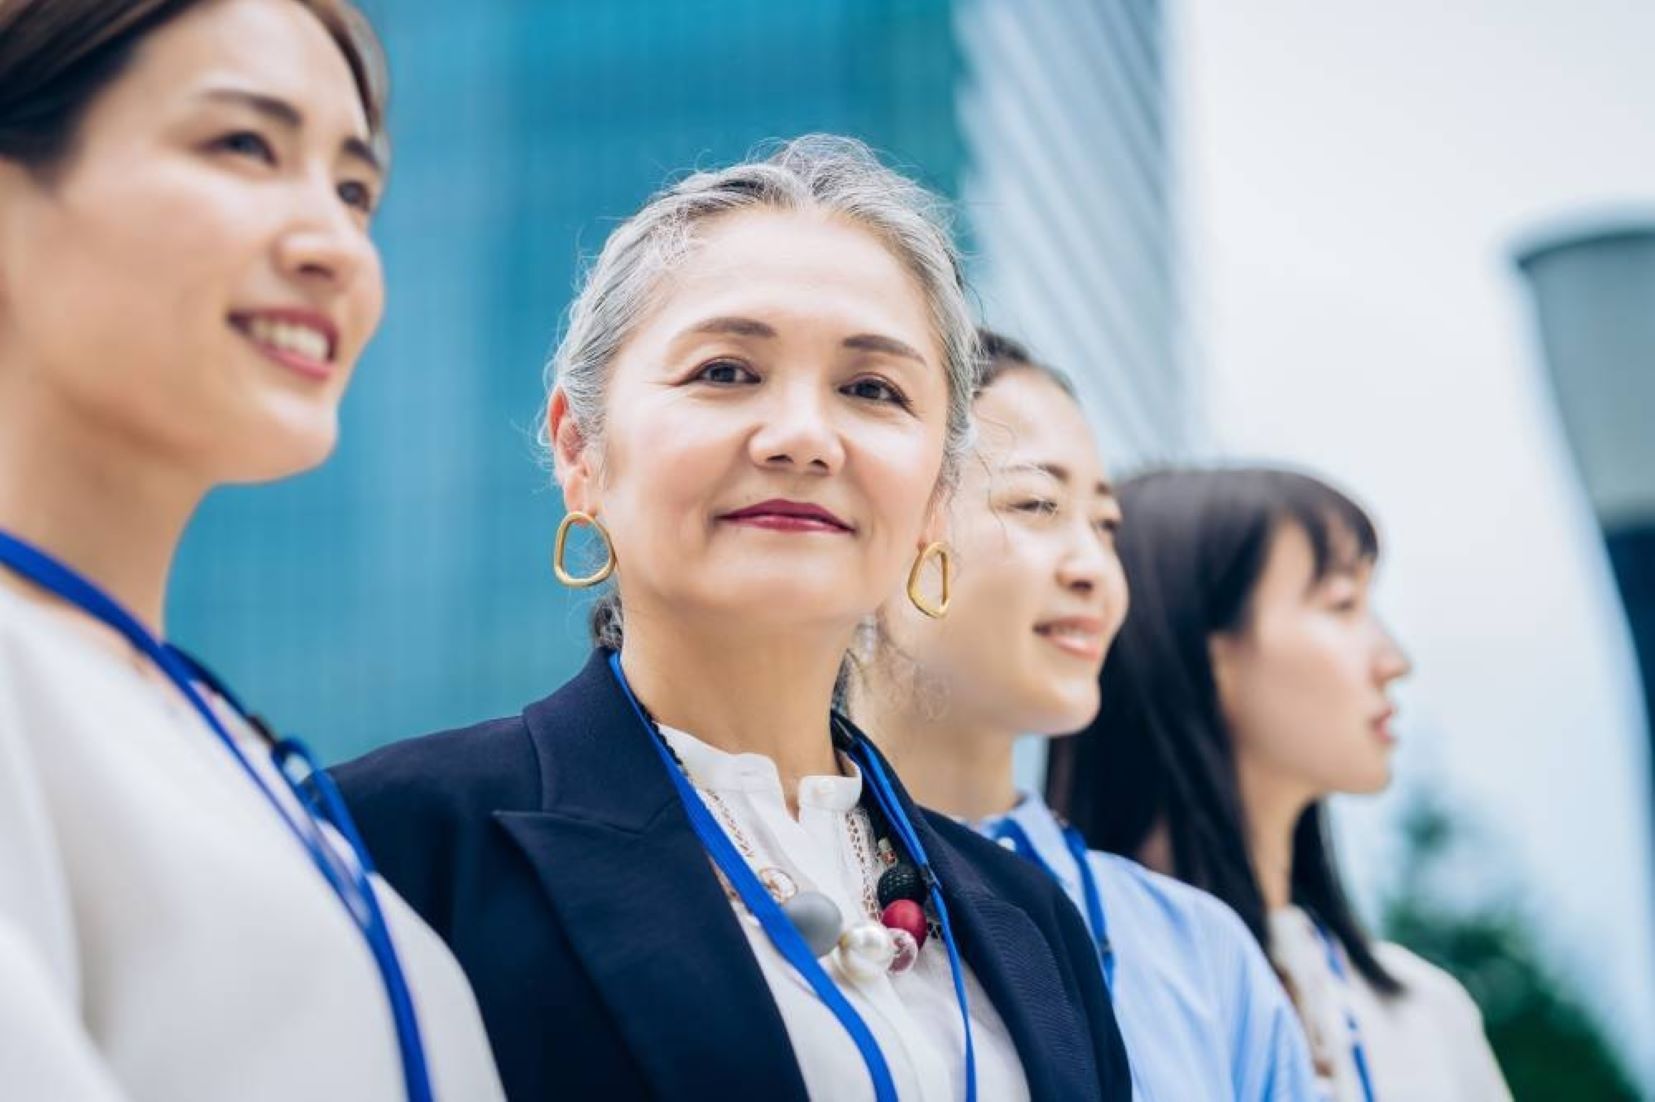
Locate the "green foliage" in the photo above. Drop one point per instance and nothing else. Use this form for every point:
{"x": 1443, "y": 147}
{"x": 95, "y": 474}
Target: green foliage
{"x": 1547, "y": 1044}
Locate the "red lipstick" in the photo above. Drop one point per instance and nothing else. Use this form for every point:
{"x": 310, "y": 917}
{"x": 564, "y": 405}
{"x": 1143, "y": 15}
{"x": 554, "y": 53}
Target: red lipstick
{"x": 781, "y": 515}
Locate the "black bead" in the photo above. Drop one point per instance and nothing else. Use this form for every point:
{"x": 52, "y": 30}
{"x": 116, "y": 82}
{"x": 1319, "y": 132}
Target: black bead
{"x": 900, "y": 881}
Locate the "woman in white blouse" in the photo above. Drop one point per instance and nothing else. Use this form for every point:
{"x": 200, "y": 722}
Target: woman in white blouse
{"x": 186, "y": 281}
{"x": 680, "y": 875}
{"x": 1251, "y": 681}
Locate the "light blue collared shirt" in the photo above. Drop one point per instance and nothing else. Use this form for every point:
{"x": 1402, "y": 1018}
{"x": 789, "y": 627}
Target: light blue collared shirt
{"x": 1202, "y": 1012}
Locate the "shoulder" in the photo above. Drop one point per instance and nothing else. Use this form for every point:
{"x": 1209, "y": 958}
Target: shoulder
{"x": 999, "y": 871}
{"x": 1187, "y": 910}
{"x": 1429, "y": 989}
{"x": 482, "y": 768}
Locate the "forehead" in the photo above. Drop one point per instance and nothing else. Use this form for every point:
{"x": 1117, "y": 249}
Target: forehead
{"x": 796, "y": 266}
{"x": 1290, "y": 567}
{"x": 1026, "y": 419}
{"x": 273, "y": 47}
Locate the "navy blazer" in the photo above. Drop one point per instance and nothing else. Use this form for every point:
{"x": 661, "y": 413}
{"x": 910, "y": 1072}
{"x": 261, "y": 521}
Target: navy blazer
{"x": 551, "y": 852}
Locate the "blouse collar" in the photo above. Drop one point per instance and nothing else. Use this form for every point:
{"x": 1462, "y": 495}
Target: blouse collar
{"x": 721, "y": 771}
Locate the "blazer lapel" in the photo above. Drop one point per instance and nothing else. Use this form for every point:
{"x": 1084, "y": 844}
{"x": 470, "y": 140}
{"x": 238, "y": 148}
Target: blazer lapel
{"x": 639, "y": 902}
{"x": 1048, "y": 1034}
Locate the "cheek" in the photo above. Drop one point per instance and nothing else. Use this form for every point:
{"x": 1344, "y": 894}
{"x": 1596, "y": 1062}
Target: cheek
{"x": 897, "y": 472}
{"x": 1300, "y": 703}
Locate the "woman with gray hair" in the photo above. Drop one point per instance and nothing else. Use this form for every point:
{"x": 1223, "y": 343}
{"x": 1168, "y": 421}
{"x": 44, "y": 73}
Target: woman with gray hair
{"x": 682, "y": 875}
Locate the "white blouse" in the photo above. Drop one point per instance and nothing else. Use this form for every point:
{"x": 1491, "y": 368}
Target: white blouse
{"x": 1425, "y": 1044}
{"x": 914, "y": 1015}
{"x": 163, "y": 936}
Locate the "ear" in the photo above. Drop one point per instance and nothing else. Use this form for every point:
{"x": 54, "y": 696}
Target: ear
{"x": 572, "y": 457}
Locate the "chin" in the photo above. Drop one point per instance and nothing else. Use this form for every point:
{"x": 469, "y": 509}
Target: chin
{"x": 1062, "y": 712}
{"x": 281, "y": 450}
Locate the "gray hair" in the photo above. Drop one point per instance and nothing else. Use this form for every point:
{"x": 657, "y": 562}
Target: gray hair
{"x": 816, "y": 172}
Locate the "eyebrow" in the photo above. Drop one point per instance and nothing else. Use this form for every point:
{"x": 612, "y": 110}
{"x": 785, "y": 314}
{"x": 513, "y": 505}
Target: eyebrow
{"x": 289, "y": 117}
{"x": 890, "y": 346}
{"x": 1103, "y": 488}
{"x": 860, "y": 342}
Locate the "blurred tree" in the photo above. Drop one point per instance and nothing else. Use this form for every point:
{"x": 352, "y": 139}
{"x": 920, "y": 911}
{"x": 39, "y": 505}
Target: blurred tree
{"x": 1547, "y": 1044}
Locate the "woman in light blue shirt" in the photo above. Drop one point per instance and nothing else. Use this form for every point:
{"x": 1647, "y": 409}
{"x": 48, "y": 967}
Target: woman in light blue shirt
{"x": 1036, "y": 595}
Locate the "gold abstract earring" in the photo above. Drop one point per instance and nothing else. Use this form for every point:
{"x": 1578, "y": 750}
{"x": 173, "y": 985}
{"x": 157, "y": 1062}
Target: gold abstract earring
{"x": 572, "y": 518}
{"x": 940, "y": 609}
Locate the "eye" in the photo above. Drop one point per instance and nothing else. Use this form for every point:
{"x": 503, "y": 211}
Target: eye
{"x": 1037, "y": 506}
{"x": 874, "y": 389}
{"x": 359, "y": 195}
{"x": 726, "y": 373}
{"x": 1109, "y": 525}
{"x": 246, "y": 143}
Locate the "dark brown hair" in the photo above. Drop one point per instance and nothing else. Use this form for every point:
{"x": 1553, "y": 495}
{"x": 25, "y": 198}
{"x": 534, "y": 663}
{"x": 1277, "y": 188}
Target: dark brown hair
{"x": 998, "y": 354}
{"x": 1159, "y": 754}
{"x": 56, "y": 56}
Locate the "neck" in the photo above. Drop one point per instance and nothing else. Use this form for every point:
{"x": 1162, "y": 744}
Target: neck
{"x": 1273, "y": 807}
{"x": 949, "y": 763}
{"x": 743, "y": 691}
{"x": 91, "y": 497}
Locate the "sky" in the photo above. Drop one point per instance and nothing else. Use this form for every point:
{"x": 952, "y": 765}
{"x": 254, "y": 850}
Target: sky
{"x": 1355, "y": 178}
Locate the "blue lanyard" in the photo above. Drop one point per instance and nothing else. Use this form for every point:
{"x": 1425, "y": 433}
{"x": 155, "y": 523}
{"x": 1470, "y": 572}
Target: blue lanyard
{"x": 1359, "y": 1054}
{"x": 780, "y": 929}
{"x": 1010, "y": 830}
{"x": 315, "y": 792}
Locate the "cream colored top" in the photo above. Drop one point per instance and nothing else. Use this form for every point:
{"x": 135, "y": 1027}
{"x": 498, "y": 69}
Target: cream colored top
{"x": 1423, "y": 1045}
{"x": 829, "y": 849}
{"x": 163, "y": 936}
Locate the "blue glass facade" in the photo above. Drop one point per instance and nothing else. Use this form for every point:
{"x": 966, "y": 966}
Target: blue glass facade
{"x": 406, "y": 586}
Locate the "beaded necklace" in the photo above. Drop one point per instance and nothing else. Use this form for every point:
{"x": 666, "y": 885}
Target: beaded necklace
{"x": 895, "y": 925}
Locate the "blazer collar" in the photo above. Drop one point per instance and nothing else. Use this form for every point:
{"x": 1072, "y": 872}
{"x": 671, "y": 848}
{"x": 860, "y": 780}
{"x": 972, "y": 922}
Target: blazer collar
{"x": 620, "y": 864}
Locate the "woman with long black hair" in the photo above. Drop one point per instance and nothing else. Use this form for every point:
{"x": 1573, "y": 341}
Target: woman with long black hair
{"x": 1251, "y": 681}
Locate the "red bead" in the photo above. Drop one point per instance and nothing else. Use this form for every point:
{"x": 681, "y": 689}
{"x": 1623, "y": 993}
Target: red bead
{"x": 906, "y": 915}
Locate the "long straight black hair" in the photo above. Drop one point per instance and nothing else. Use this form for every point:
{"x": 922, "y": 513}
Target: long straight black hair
{"x": 1159, "y": 754}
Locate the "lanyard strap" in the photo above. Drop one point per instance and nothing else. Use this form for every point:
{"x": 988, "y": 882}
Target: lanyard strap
{"x": 1358, "y": 1052}
{"x": 885, "y": 793}
{"x": 1010, "y": 830}
{"x": 780, "y": 929}
{"x": 317, "y": 795}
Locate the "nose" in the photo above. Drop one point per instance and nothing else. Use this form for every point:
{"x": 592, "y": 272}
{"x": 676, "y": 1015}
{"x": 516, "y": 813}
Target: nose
{"x": 1391, "y": 661}
{"x": 797, "y": 430}
{"x": 322, "y": 244}
{"x": 1085, "y": 560}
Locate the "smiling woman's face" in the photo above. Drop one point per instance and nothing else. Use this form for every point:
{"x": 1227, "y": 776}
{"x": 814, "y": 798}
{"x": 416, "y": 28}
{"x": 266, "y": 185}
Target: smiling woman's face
{"x": 196, "y": 278}
{"x": 774, "y": 429}
{"x": 1039, "y": 592}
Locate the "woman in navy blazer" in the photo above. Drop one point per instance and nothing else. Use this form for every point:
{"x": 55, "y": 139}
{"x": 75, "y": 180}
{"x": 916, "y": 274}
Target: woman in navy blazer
{"x": 765, "y": 389}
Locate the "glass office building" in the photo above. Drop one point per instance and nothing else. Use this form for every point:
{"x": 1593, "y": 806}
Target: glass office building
{"x": 407, "y": 585}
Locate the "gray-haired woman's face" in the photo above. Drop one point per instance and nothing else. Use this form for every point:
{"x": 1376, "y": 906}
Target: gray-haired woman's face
{"x": 774, "y": 429}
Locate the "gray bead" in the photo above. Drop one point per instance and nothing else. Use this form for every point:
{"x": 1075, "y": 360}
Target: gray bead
{"x": 817, "y": 919}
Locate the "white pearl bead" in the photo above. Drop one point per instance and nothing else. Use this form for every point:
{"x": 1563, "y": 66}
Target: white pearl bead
{"x": 865, "y": 951}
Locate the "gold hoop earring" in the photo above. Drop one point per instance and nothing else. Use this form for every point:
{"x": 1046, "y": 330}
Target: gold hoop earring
{"x": 940, "y": 609}
{"x": 570, "y": 519}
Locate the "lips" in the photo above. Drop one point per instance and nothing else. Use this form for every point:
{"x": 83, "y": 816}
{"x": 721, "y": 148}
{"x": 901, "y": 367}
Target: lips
{"x": 304, "y": 340}
{"x": 1080, "y": 636}
{"x": 1382, "y": 726}
{"x": 782, "y": 515}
